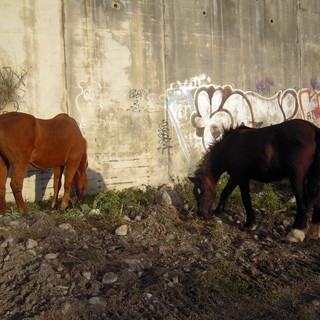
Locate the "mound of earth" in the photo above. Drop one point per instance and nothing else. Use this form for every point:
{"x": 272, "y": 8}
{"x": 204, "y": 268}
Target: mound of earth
{"x": 164, "y": 264}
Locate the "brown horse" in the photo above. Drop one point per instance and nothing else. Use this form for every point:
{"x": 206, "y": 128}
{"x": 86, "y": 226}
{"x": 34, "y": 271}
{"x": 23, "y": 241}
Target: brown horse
{"x": 287, "y": 150}
{"x": 54, "y": 143}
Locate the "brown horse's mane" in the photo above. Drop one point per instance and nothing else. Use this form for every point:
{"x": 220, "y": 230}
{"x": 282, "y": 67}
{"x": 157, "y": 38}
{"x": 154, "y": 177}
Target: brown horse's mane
{"x": 206, "y": 160}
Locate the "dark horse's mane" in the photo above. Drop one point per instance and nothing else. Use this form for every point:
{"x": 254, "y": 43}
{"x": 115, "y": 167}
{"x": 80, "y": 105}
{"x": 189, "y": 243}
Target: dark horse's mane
{"x": 225, "y": 132}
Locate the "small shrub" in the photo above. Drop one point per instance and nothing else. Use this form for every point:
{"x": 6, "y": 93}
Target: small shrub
{"x": 184, "y": 189}
{"x": 267, "y": 199}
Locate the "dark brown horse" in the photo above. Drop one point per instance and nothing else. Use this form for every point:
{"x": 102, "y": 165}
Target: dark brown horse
{"x": 55, "y": 143}
{"x": 286, "y": 150}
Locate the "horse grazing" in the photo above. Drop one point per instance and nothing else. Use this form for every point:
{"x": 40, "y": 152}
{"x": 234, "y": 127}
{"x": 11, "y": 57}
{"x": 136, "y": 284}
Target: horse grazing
{"x": 55, "y": 143}
{"x": 287, "y": 150}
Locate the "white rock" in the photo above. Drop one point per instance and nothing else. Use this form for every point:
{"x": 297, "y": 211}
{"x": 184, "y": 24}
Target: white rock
{"x": 65, "y": 226}
{"x": 7, "y": 242}
{"x": 122, "y": 230}
{"x": 132, "y": 262}
{"x": 30, "y": 244}
{"x": 51, "y": 256}
{"x": 94, "y": 212}
{"x": 94, "y": 300}
{"x": 32, "y": 252}
{"x": 109, "y": 278}
{"x": 65, "y": 308}
{"x": 87, "y": 275}
{"x": 14, "y": 223}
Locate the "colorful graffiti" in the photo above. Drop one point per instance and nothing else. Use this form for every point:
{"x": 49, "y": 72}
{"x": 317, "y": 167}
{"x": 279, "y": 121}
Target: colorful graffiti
{"x": 210, "y": 107}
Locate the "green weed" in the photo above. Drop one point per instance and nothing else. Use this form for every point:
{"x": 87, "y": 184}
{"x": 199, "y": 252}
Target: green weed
{"x": 223, "y": 279}
{"x": 269, "y": 196}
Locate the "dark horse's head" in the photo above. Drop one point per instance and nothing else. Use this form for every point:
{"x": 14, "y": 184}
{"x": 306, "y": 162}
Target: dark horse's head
{"x": 204, "y": 191}
{"x": 209, "y": 171}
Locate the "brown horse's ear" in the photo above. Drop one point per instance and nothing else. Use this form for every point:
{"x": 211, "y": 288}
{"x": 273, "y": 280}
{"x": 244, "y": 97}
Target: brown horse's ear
{"x": 195, "y": 180}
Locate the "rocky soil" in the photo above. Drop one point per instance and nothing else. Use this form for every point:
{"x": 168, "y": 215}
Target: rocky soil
{"x": 164, "y": 263}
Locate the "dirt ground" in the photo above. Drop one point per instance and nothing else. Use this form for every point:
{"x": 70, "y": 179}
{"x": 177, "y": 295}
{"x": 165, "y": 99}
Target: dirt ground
{"x": 169, "y": 264}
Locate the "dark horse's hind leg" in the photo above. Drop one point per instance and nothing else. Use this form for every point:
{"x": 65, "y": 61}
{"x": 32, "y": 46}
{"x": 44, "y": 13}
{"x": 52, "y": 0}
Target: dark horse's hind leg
{"x": 300, "y": 222}
{"x": 224, "y": 196}
{"x": 314, "y": 229}
{"x": 246, "y": 199}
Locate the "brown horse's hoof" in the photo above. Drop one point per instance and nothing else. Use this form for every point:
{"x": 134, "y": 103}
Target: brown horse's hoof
{"x": 296, "y": 235}
{"x": 314, "y": 231}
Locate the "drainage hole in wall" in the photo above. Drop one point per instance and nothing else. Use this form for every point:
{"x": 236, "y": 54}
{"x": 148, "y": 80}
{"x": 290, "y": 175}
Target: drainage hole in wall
{"x": 204, "y": 13}
{"x": 271, "y": 21}
{"x": 115, "y": 5}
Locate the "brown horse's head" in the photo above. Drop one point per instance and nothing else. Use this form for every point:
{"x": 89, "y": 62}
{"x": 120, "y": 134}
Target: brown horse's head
{"x": 81, "y": 178}
{"x": 204, "y": 191}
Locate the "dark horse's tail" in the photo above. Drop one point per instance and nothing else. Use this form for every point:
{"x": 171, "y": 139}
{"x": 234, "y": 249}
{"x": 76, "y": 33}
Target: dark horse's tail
{"x": 312, "y": 181}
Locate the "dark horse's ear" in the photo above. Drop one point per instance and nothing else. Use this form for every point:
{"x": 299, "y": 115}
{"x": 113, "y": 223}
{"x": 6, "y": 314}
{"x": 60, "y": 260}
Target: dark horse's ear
{"x": 195, "y": 180}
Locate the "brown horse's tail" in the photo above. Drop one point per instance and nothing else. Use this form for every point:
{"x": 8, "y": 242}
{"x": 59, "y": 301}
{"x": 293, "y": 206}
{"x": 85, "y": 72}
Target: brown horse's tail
{"x": 312, "y": 180}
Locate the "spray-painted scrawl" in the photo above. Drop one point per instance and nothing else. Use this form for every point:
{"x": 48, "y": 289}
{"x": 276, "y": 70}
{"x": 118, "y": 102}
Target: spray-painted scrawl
{"x": 209, "y": 107}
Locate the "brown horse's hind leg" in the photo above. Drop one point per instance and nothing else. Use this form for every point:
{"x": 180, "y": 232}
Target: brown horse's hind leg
{"x": 4, "y": 167}
{"x": 57, "y": 175}
{"x": 18, "y": 174}
{"x": 69, "y": 175}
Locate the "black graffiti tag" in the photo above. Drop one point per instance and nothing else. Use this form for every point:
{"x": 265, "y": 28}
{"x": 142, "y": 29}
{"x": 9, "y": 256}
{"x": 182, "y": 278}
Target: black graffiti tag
{"x": 164, "y": 136}
{"x": 140, "y": 99}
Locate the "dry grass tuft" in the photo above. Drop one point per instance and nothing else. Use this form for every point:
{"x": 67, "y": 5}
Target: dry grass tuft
{"x": 11, "y": 86}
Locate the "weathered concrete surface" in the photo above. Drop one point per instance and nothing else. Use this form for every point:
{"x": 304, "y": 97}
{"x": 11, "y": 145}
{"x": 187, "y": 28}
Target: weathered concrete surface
{"x": 152, "y": 82}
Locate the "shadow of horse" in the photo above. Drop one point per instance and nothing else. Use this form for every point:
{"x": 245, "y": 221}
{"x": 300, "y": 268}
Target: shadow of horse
{"x": 43, "y": 183}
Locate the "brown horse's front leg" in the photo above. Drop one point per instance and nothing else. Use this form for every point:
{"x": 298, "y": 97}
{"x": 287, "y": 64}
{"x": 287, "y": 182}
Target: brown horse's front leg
{"x": 246, "y": 199}
{"x": 57, "y": 175}
{"x": 18, "y": 174}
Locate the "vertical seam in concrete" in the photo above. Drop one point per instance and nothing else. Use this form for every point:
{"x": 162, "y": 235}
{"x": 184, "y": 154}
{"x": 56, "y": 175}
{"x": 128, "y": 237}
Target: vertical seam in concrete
{"x": 299, "y": 42}
{"x": 165, "y": 76}
{"x": 65, "y": 71}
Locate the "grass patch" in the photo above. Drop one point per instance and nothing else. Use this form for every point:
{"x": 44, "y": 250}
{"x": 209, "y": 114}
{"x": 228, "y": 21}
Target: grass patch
{"x": 222, "y": 279}
{"x": 268, "y": 196}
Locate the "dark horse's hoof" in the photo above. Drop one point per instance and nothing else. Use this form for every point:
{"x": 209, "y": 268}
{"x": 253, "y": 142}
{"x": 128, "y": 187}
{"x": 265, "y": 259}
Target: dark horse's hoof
{"x": 206, "y": 217}
{"x": 218, "y": 211}
{"x": 250, "y": 227}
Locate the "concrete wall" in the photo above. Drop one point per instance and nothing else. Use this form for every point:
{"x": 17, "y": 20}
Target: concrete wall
{"x": 151, "y": 82}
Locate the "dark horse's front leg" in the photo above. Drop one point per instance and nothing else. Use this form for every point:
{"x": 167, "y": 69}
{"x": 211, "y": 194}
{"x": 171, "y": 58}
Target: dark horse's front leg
{"x": 225, "y": 195}
{"x": 246, "y": 199}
